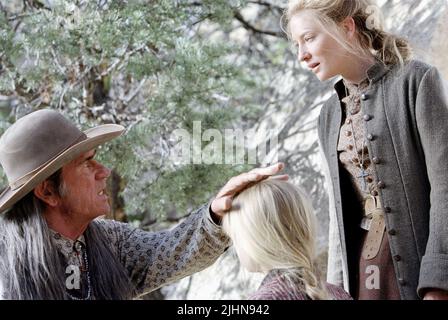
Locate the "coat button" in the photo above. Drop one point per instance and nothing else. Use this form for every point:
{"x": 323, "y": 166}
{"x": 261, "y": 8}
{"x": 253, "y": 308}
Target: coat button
{"x": 78, "y": 246}
{"x": 349, "y": 147}
{"x": 401, "y": 281}
{"x": 374, "y": 193}
{"x": 369, "y": 179}
{"x": 397, "y": 258}
{"x": 367, "y": 117}
{"x": 392, "y": 232}
{"x": 364, "y": 97}
{"x": 348, "y": 121}
{"x": 381, "y": 185}
{"x": 348, "y": 133}
{"x": 376, "y": 160}
{"x": 370, "y": 137}
{"x": 387, "y": 210}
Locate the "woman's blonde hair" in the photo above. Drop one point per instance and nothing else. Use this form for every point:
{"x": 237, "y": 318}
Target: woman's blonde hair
{"x": 372, "y": 38}
{"x": 273, "y": 223}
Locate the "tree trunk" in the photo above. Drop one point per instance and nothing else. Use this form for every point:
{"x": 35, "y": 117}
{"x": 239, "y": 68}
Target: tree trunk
{"x": 115, "y": 186}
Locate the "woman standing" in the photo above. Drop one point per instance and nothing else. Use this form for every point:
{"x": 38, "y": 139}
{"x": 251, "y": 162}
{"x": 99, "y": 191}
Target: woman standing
{"x": 384, "y": 136}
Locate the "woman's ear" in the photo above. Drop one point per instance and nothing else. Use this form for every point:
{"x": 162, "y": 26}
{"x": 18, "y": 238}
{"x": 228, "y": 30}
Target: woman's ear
{"x": 349, "y": 26}
{"x": 46, "y": 192}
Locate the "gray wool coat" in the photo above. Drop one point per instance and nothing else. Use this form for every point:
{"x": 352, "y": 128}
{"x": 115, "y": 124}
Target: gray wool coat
{"x": 406, "y": 111}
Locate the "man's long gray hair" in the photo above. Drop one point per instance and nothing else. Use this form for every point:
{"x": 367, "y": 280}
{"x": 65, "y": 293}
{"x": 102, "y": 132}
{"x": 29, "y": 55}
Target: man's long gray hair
{"x": 31, "y": 267}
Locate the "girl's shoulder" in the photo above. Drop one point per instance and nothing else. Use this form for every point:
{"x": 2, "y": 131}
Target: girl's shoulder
{"x": 337, "y": 293}
{"x": 277, "y": 288}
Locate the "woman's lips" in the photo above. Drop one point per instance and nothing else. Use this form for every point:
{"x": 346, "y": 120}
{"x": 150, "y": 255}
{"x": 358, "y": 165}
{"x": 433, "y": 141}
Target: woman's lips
{"x": 313, "y": 66}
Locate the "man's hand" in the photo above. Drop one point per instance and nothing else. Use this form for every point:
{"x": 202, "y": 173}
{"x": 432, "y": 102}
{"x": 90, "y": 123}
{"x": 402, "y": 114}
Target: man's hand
{"x": 223, "y": 201}
{"x": 436, "y": 294}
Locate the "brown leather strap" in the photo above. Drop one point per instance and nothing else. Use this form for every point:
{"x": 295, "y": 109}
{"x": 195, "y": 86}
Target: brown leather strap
{"x": 373, "y": 221}
{"x": 370, "y": 204}
{"x": 374, "y": 238}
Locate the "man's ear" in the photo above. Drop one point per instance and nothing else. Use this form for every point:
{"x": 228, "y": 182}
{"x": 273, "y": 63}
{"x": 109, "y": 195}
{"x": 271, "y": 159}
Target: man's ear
{"x": 349, "y": 26}
{"x": 46, "y": 192}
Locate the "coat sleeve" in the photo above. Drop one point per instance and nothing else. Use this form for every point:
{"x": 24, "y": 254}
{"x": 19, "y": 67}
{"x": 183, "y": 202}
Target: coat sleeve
{"x": 154, "y": 259}
{"x": 1, "y": 292}
{"x": 334, "y": 263}
{"x": 432, "y": 124}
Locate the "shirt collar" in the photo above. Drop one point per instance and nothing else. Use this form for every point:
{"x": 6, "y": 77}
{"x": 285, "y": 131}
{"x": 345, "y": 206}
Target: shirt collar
{"x": 64, "y": 244}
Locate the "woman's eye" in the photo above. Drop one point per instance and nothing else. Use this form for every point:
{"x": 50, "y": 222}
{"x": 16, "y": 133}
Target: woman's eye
{"x": 307, "y": 39}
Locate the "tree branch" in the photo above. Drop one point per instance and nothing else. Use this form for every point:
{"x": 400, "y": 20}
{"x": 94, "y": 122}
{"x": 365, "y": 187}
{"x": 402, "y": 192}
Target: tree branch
{"x": 22, "y": 15}
{"x": 207, "y": 16}
{"x": 134, "y": 93}
{"x": 267, "y": 4}
{"x": 250, "y": 27}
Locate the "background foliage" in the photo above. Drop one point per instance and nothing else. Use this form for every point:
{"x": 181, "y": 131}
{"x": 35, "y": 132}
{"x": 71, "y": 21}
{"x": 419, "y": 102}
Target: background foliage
{"x": 158, "y": 65}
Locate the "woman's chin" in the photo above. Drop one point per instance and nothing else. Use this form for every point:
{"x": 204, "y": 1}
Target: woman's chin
{"x": 322, "y": 76}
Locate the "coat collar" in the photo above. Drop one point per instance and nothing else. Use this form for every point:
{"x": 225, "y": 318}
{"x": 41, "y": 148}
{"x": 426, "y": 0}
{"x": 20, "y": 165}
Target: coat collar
{"x": 374, "y": 74}
{"x": 377, "y": 71}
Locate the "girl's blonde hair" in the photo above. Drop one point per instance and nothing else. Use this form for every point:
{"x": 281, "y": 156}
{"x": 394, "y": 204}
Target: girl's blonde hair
{"x": 273, "y": 223}
{"x": 372, "y": 38}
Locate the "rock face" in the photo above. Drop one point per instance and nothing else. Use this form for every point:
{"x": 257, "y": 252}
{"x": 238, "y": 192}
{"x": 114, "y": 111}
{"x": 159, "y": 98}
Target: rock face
{"x": 439, "y": 45}
{"x": 223, "y": 280}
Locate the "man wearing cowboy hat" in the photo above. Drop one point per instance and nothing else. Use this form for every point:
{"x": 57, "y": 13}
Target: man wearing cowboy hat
{"x": 51, "y": 244}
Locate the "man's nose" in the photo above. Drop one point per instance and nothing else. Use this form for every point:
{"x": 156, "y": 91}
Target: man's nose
{"x": 103, "y": 172}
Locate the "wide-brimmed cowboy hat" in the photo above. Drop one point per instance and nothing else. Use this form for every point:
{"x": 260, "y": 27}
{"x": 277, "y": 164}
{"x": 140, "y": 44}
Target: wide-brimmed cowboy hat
{"x": 38, "y": 145}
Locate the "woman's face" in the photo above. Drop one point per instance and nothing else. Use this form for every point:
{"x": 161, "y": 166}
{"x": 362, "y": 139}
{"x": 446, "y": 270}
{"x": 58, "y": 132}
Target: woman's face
{"x": 322, "y": 54}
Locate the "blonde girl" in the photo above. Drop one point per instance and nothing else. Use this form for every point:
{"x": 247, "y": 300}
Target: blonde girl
{"x": 273, "y": 231}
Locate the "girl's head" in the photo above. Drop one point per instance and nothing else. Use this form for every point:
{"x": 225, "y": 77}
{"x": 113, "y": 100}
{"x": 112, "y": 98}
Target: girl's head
{"x": 272, "y": 227}
{"x": 335, "y": 36}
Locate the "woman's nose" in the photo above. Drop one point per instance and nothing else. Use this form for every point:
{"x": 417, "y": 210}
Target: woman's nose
{"x": 304, "y": 55}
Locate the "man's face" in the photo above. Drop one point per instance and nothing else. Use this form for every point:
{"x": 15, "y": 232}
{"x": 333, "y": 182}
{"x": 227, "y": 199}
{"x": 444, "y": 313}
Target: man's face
{"x": 84, "y": 181}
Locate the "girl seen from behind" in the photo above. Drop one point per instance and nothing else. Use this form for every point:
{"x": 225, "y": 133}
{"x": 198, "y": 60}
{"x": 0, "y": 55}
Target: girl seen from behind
{"x": 273, "y": 231}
